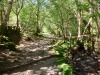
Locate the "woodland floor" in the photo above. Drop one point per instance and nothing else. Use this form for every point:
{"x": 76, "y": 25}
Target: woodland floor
{"x": 35, "y": 58}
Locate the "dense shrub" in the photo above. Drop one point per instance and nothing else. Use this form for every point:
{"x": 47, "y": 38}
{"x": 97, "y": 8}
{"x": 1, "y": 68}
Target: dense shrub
{"x": 10, "y": 45}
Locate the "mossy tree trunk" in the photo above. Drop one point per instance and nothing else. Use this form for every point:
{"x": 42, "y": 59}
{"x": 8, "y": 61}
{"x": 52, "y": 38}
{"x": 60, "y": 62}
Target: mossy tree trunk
{"x": 37, "y": 18}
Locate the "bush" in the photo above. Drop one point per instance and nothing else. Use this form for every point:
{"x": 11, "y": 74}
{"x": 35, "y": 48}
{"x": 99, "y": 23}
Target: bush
{"x": 10, "y": 45}
{"x": 65, "y": 68}
{"x": 61, "y": 62}
{"x": 4, "y": 39}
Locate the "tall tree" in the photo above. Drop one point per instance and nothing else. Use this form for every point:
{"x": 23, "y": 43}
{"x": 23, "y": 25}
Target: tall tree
{"x": 79, "y": 18}
{"x": 38, "y": 12}
{"x": 96, "y": 17}
{"x": 17, "y": 6}
{"x": 1, "y": 12}
{"x": 7, "y": 13}
{"x": 62, "y": 14}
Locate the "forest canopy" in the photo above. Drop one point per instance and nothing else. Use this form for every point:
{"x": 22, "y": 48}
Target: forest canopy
{"x": 65, "y": 18}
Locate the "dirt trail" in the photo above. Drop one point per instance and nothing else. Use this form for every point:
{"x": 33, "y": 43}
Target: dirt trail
{"x": 35, "y": 59}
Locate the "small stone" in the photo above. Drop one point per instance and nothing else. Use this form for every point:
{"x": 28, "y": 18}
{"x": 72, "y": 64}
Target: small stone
{"x": 98, "y": 72}
{"x": 43, "y": 68}
{"x": 99, "y": 60}
{"x": 60, "y": 73}
{"x": 56, "y": 70}
{"x": 38, "y": 72}
{"x": 90, "y": 74}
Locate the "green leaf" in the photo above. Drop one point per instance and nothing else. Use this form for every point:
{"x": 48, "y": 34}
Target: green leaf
{"x": 60, "y": 61}
{"x": 66, "y": 69}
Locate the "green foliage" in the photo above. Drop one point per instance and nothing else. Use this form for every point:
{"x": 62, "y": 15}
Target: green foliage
{"x": 53, "y": 42}
{"x": 61, "y": 62}
{"x": 3, "y": 39}
{"x": 66, "y": 69}
{"x": 61, "y": 50}
{"x": 25, "y": 35}
{"x": 10, "y": 45}
{"x": 63, "y": 66}
{"x": 32, "y": 17}
{"x": 63, "y": 47}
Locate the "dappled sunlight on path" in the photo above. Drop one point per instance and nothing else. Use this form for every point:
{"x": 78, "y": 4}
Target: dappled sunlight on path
{"x": 34, "y": 59}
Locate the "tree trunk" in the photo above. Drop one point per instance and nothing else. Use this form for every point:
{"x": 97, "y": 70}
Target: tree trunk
{"x": 18, "y": 5}
{"x": 97, "y": 21}
{"x": 0, "y": 16}
{"x": 17, "y": 21}
{"x": 1, "y": 12}
{"x": 6, "y": 17}
{"x": 79, "y": 17}
{"x": 7, "y": 13}
{"x": 79, "y": 24}
{"x": 37, "y": 18}
{"x": 37, "y": 23}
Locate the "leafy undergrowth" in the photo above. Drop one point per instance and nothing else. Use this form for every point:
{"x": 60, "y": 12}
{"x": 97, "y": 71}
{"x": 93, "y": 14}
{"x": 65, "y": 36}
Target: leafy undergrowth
{"x": 63, "y": 66}
{"x": 62, "y": 49}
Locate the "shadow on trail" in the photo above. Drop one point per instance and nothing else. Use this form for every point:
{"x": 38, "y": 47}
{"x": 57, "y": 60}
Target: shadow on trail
{"x": 85, "y": 64}
{"x": 34, "y": 57}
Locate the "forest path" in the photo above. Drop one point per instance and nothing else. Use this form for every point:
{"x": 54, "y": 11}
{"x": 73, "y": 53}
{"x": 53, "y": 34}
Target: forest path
{"x": 35, "y": 59}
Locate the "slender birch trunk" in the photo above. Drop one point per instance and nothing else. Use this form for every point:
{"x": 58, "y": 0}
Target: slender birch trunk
{"x": 79, "y": 17}
{"x": 7, "y": 13}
